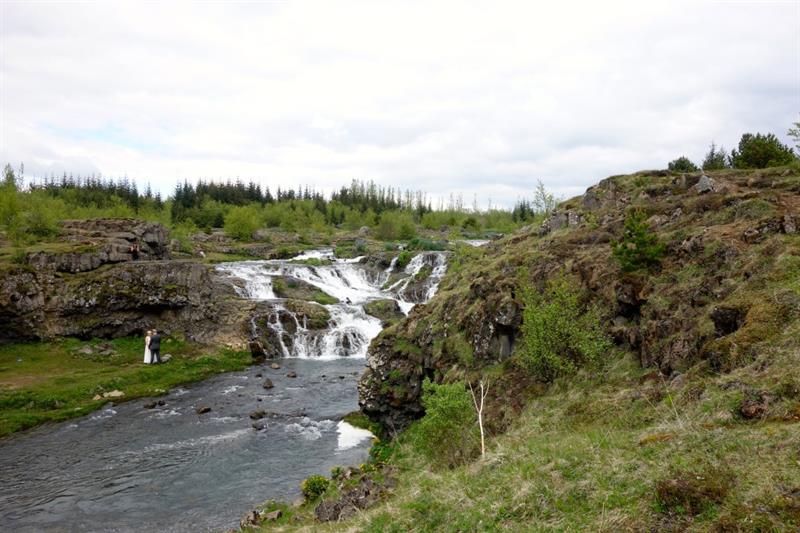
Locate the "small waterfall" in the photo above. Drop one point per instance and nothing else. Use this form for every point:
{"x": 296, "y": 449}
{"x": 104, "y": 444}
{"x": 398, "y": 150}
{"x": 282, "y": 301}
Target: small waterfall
{"x": 350, "y": 329}
{"x": 255, "y": 285}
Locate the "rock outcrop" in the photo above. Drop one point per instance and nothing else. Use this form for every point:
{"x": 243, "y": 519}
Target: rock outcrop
{"x": 728, "y": 244}
{"x": 90, "y": 244}
{"x": 182, "y": 298}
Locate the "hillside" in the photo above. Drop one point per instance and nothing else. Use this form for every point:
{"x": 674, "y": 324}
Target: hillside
{"x": 688, "y": 421}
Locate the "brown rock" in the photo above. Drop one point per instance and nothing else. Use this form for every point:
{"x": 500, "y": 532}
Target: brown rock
{"x": 203, "y": 409}
{"x": 291, "y": 374}
{"x": 268, "y": 384}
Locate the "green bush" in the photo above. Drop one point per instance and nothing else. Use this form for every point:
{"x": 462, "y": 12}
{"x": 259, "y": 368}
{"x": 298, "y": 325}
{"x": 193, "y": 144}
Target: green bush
{"x": 241, "y": 222}
{"x": 403, "y": 259}
{"x": 314, "y": 486}
{"x": 448, "y": 433}
{"x": 395, "y": 225}
{"x": 682, "y": 164}
{"x": 559, "y": 333}
{"x": 761, "y": 151}
{"x": 639, "y": 247}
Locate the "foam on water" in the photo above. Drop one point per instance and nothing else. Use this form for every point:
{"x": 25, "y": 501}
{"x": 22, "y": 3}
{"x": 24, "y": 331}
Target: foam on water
{"x": 350, "y": 329}
{"x": 350, "y": 436}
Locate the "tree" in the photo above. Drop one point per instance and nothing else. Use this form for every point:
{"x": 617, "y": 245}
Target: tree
{"x": 479, "y": 409}
{"x": 544, "y": 202}
{"x": 794, "y": 133}
{"x": 639, "y": 247}
{"x": 715, "y": 159}
{"x": 682, "y": 164}
{"x": 761, "y": 151}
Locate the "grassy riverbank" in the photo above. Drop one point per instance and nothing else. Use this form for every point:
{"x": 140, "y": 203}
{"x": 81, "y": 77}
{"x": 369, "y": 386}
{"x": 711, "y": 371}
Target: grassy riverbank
{"x": 51, "y": 381}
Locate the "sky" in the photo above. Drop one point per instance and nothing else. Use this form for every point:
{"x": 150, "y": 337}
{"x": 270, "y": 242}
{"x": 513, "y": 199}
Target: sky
{"x": 474, "y": 98}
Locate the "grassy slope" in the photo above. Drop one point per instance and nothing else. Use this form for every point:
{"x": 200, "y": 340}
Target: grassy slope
{"x": 41, "y": 382}
{"x": 624, "y": 448}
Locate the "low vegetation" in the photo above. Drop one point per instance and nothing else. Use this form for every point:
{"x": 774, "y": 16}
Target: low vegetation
{"x": 49, "y": 381}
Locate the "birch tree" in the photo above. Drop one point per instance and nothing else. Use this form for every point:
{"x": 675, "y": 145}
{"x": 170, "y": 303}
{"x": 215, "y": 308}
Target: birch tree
{"x": 478, "y": 400}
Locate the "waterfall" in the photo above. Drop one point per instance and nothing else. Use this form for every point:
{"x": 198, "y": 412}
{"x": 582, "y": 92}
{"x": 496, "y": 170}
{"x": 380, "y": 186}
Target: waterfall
{"x": 350, "y": 329}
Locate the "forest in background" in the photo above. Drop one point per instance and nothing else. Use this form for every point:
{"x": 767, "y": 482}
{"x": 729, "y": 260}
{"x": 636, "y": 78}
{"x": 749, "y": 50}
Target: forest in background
{"x": 32, "y": 212}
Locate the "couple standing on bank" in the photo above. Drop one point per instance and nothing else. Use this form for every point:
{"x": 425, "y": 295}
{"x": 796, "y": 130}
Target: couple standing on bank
{"x": 152, "y": 347}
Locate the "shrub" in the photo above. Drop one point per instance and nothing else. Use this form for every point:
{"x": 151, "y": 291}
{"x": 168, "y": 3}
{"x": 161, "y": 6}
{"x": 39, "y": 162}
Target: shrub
{"x": 314, "y": 486}
{"x": 559, "y": 334}
{"x": 639, "y": 247}
{"x": 715, "y": 159}
{"x": 242, "y": 221}
{"x": 448, "y": 433}
{"x": 682, "y": 164}
{"x": 396, "y": 225}
{"x": 761, "y": 151}
{"x": 403, "y": 259}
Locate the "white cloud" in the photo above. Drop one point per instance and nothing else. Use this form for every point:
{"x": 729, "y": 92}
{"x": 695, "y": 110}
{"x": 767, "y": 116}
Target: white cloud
{"x": 471, "y": 98}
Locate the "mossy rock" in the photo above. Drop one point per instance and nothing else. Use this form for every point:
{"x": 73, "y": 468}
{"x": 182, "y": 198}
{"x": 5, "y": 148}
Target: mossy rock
{"x": 387, "y": 310}
{"x": 297, "y": 289}
{"x": 313, "y": 315}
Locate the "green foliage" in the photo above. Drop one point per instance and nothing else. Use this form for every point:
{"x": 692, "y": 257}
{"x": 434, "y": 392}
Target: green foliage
{"x": 682, "y": 164}
{"x": 428, "y": 245}
{"x": 314, "y": 486}
{"x": 639, "y": 247}
{"x": 448, "y": 433}
{"x": 761, "y": 151}
{"x": 241, "y": 222}
{"x": 715, "y": 159}
{"x": 559, "y": 333}
{"x": 403, "y": 259}
{"x": 794, "y": 133}
{"x": 395, "y": 225}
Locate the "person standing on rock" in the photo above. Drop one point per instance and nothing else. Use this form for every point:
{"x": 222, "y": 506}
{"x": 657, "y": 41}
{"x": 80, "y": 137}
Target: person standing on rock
{"x": 148, "y": 356}
{"x": 155, "y": 346}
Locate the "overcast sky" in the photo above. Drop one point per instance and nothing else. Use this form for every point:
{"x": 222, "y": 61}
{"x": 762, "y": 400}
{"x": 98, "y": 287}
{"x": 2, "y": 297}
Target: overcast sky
{"x": 473, "y": 98}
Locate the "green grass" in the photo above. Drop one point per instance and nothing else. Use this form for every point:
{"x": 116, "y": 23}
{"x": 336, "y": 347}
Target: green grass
{"x": 601, "y": 453}
{"x": 41, "y": 382}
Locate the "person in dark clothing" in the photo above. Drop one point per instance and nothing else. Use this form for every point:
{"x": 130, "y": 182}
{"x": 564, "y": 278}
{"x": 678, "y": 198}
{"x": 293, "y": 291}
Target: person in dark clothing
{"x": 155, "y": 347}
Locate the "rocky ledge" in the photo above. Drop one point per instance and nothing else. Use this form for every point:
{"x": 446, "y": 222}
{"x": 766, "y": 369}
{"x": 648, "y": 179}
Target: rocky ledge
{"x": 90, "y": 244}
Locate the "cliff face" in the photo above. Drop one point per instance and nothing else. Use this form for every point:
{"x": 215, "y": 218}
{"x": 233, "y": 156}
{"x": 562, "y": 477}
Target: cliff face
{"x": 725, "y": 287}
{"x": 110, "y": 278}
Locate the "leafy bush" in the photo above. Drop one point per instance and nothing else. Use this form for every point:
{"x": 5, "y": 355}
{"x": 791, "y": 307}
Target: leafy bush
{"x": 314, "y": 486}
{"x": 682, "y": 164}
{"x": 559, "y": 334}
{"x": 395, "y": 225}
{"x": 715, "y": 159}
{"x": 639, "y": 247}
{"x": 448, "y": 433}
{"x": 403, "y": 259}
{"x": 242, "y": 221}
{"x": 761, "y": 151}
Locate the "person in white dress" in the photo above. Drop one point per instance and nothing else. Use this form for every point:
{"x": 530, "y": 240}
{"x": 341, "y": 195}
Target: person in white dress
{"x": 148, "y": 357}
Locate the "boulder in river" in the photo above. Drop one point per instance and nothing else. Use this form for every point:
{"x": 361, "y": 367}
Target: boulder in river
{"x": 275, "y": 366}
{"x": 203, "y": 409}
{"x": 268, "y": 384}
{"x": 258, "y": 414}
{"x": 291, "y": 374}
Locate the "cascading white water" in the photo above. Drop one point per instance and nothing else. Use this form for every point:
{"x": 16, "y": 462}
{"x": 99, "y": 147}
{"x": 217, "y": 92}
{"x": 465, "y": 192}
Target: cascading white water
{"x": 350, "y": 329}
